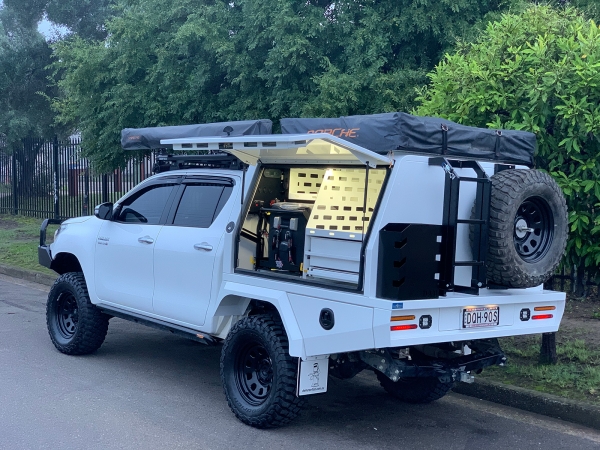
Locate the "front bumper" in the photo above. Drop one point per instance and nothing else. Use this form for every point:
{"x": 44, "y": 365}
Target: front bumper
{"x": 45, "y": 256}
{"x": 44, "y": 253}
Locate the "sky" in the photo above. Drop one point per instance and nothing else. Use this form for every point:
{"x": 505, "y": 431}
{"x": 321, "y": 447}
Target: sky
{"x": 47, "y": 28}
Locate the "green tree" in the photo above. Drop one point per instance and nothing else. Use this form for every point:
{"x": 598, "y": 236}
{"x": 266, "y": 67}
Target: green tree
{"x": 24, "y": 57}
{"x": 188, "y": 61}
{"x": 25, "y": 109}
{"x": 536, "y": 71}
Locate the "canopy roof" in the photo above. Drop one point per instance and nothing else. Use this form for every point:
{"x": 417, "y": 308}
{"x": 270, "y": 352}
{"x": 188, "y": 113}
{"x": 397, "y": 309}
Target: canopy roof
{"x": 315, "y": 148}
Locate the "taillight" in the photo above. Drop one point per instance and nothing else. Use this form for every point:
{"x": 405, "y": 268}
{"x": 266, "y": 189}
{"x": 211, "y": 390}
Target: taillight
{"x": 411, "y": 326}
{"x": 542, "y": 316}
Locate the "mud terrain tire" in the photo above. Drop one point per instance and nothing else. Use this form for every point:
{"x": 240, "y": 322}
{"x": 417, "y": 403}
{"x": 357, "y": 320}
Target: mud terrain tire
{"x": 528, "y": 228}
{"x": 75, "y": 325}
{"x": 258, "y": 374}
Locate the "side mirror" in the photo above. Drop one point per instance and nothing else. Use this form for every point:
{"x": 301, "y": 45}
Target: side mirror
{"x": 104, "y": 211}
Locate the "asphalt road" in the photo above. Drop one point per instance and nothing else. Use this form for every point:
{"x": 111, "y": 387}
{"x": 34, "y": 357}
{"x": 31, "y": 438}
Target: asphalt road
{"x": 148, "y": 389}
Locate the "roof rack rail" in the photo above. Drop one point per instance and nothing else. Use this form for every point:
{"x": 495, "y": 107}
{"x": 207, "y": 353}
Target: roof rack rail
{"x": 165, "y": 163}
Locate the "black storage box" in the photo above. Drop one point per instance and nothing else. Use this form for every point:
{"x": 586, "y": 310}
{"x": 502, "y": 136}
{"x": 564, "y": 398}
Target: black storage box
{"x": 282, "y": 247}
{"x": 407, "y": 261}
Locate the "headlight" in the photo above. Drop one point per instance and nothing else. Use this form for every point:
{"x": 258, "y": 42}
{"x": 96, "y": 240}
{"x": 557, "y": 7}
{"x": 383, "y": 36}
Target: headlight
{"x": 58, "y": 230}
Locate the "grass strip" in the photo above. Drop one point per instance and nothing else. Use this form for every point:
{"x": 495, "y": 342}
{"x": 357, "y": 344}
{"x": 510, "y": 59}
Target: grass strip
{"x": 19, "y": 240}
{"x": 575, "y": 376}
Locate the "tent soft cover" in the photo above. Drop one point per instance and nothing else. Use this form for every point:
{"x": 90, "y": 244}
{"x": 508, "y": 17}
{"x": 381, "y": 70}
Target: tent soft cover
{"x": 149, "y": 138}
{"x": 386, "y": 132}
{"x": 380, "y": 133}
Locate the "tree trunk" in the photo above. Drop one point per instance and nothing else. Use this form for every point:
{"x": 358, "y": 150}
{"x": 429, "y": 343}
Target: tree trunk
{"x": 548, "y": 349}
{"x": 579, "y": 290}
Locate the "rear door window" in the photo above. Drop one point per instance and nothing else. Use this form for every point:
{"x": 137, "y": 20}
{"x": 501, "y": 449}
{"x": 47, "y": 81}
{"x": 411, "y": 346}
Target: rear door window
{"x": 200, "y": 204}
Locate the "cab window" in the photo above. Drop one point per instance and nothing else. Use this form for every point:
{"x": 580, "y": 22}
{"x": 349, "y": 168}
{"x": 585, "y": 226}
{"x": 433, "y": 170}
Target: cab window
{"x": 146, "y": 206}
{"x": 200, "y": 204}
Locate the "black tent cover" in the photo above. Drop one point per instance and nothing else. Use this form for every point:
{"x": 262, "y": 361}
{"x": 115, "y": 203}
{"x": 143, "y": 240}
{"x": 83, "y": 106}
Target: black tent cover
{"x": 149, "y": 138}
{"x": 385, "y": 132}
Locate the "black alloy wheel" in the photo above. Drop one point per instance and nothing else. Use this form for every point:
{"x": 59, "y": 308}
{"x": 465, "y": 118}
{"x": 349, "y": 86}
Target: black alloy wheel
{"x": 66, "y": 315}
{"x": 534, "y": 229}
{"x": 254, "y": 373}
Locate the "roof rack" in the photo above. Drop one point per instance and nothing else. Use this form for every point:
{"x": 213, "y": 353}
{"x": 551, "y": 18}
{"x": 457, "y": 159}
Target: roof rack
{"x": 165, "y": 163}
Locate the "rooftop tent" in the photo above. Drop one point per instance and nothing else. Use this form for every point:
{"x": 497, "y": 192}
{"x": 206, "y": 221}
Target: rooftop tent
{"x": 386, "y": 132}
{"x": 150, "y": 138}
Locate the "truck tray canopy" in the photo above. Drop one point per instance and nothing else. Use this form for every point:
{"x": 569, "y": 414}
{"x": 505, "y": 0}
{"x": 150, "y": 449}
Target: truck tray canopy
{"x": 386, "y": 132}
{"x": 315, "y": 148}
{"x": 150, "y": 138}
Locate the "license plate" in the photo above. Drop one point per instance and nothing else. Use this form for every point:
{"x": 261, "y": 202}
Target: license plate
{"x": 481, "y": 316}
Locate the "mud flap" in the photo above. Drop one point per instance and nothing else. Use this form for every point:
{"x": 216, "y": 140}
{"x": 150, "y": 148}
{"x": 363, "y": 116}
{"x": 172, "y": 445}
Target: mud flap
{"x": 312, "y": 375}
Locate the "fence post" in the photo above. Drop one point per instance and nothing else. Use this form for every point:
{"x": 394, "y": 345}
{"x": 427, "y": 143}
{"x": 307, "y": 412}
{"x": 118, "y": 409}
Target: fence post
{"x": 86, "y": 193}
{"x": 14, "y": 182}
{"x": 104, "y": 188}
{"x": 56, "y": 178}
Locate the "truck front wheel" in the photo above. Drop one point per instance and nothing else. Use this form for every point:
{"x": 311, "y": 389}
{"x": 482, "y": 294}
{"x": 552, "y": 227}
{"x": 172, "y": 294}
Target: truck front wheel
{"x": 258, "y": 374}
{"x": 75, "y": 325}
{"x": 415, "y": 390}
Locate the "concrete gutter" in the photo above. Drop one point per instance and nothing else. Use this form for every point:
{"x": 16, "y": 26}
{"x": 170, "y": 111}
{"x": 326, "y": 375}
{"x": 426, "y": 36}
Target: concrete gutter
{"x": 579, "y": 412}
{"x": 28, "y": 275}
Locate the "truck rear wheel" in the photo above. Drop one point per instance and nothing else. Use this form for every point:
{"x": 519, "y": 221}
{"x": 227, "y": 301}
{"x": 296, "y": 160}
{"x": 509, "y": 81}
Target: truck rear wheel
{"x": 75, "y": 325}
{"x": 528, "y": 228}
{"x": 258, "y": 374}
{"x": 415, "y": 390}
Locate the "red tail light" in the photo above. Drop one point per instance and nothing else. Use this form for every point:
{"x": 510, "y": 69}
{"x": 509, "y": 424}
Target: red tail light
{"x": 542, "y": 316}
{"x": 412, "y": 326}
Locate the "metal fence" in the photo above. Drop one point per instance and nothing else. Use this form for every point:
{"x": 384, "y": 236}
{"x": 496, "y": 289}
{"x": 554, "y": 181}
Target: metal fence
{"x": 51, "y": 179}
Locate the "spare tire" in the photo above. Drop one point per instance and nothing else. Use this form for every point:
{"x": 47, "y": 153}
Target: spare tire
{"x": 528, "y": 228}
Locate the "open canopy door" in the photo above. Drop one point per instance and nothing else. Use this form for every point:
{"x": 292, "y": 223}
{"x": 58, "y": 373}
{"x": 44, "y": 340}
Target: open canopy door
{"x": 317, "y": 148}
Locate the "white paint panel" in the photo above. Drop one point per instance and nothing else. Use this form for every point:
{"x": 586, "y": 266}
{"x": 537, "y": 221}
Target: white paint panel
{"x": 352, "y": 329}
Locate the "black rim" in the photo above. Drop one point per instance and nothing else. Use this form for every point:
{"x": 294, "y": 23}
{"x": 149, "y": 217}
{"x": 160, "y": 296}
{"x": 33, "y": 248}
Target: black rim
{"x": 66, "y": 315}
{"x": 534, "y": 228}
{"x": 254, "y": 373}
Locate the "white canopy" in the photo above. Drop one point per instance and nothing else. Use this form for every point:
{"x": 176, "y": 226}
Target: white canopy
{"x": 317, "y": 148}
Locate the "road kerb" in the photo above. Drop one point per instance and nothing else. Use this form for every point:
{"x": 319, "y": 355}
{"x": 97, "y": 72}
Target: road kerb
{"x": 28, "y": 275}
{"x": 579, "y": 412}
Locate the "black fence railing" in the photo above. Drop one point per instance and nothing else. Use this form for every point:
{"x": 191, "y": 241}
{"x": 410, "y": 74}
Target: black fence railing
{"x": 51, "y": 179}
{"x": 575, "y": 281}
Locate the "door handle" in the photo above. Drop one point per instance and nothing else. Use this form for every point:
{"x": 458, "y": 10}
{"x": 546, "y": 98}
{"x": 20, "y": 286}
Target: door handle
{"x": 203, "y": 246}
{"x": 145, "y": 240}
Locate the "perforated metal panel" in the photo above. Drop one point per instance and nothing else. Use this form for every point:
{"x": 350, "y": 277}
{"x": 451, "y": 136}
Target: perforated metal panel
{"x": 335, "y": 229}
{"x": 305, "y": 183}
{"x": 340, "y": 202}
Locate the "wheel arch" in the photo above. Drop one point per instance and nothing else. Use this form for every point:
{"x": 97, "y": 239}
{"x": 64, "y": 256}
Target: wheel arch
{"x": 65, "y": 262}
{"x": 240, "y": 300}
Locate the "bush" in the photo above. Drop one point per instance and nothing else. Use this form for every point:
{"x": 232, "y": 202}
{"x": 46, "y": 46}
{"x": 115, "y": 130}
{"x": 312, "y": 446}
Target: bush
{"x": 538, "y": 71}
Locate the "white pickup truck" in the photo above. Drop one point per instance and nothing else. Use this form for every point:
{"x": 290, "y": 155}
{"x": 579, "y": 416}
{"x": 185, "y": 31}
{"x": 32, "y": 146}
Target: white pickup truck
{"x": 393, "y": 243}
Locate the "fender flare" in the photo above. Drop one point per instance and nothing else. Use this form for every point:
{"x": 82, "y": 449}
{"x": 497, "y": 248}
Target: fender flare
{"x": 234, "y": 300}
